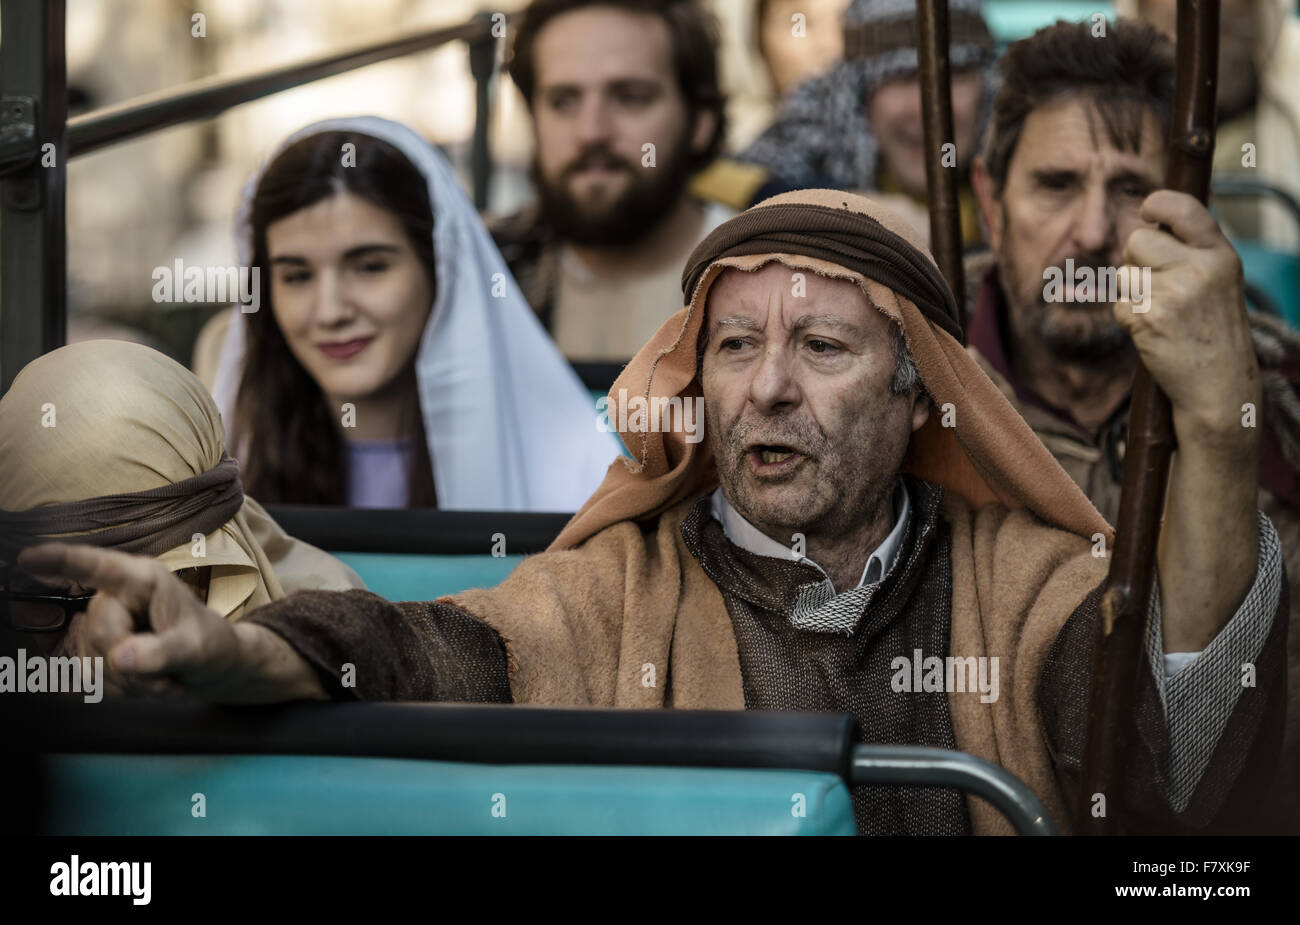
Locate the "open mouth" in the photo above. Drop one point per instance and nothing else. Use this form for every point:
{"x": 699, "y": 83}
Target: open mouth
{"x": 773, "y": 458}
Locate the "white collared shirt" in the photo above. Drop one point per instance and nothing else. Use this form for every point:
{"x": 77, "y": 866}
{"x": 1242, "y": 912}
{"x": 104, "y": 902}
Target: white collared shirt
{"x": 748, "y": 537}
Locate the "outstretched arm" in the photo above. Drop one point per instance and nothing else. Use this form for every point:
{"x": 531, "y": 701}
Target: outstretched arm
{"x": 157, "y": 639}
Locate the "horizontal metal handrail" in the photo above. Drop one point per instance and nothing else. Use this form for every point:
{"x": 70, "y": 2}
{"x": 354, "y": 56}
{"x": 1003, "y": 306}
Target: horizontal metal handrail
{"x": 598, "y": 375}
{"x": 417, "y": 531}
{"x": 916, "y": 765}
{"x": 482, "y": 733}
{"x": 212, "y": 96}
{"x": 1232, "y": 186}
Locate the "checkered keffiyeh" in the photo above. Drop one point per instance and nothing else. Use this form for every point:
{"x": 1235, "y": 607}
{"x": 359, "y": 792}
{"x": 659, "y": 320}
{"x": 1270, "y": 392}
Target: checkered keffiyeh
{"x": 821, "y": 137}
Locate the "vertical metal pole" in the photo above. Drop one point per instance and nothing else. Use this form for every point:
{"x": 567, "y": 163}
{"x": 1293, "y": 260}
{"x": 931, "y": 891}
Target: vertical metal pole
{"x": 33, "y": 245}
{"x": 936, "y": 119}
{"x": 482, "y": 64}
{"x": 1146, "y": 464}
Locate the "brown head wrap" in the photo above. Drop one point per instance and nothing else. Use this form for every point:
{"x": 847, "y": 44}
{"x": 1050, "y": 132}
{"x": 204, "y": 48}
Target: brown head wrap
{"x": 853, "y": 240}
{"x": 145, "y": 522}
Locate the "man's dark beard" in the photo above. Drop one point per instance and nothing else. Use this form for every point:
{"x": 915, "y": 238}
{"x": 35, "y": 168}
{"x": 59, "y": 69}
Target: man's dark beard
{"x": 1105, "y": 341}
{"x": 652, "y": 194}
{"x": 1103, "y": 346}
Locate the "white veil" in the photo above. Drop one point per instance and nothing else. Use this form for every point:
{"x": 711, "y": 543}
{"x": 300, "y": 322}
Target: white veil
{"x": 510, "y": 426}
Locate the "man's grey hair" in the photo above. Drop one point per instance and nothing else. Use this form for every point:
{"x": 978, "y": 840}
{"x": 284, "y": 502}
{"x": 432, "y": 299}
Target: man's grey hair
{"x": 907, "y": 378}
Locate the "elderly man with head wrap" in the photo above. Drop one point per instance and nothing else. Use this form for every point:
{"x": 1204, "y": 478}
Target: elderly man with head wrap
{"x": 832, "y": 529}
{"x": 112, "y": 443}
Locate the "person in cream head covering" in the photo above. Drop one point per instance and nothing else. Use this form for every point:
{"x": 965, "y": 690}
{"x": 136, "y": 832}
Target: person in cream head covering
{"x": 113, "y": 443}
{"x": 504, "y": 420}
{"x": 867, "y": 528}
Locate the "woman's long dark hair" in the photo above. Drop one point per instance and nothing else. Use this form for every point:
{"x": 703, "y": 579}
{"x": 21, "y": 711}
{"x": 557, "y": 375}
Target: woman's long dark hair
{"x": 292, "y": 450}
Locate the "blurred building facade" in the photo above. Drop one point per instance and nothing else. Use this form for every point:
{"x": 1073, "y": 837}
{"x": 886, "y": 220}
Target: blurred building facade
{"x": 172, "y": 195}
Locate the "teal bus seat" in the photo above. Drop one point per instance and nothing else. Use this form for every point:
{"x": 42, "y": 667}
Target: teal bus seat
{"x": 1012, "y": 20}
{"x": 415, "y": 577}
{"x": 596, "y": 396}
{"x": 599, "y": 378}
{"x": 1272, "y": 276}
{"x": 315, "y": 795}
{"x": 421, "y": 554}
{"x": 133, "y": 767}
{"x": 1276, "y": 274}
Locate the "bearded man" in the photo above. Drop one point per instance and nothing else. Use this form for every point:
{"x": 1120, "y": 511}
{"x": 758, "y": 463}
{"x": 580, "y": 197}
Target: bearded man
{"x": 864, "y": 494}
{"x": 626, "y": 106}
{"x": 1076, "y": 145}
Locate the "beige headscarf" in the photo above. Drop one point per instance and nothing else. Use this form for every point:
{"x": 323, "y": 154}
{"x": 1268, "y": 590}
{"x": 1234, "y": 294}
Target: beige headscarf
{"x": 974, "y": 443}
{"x": 109, "y": 417}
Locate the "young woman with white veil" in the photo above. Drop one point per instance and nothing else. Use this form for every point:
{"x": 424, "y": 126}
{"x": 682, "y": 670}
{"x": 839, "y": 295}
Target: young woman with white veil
{"x": 398, "y": 364}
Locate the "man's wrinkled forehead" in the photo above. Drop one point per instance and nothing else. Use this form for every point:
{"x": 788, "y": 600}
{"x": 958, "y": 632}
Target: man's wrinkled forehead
{"x": 1075, "y": 134}
{"x": 798, "y": 295}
